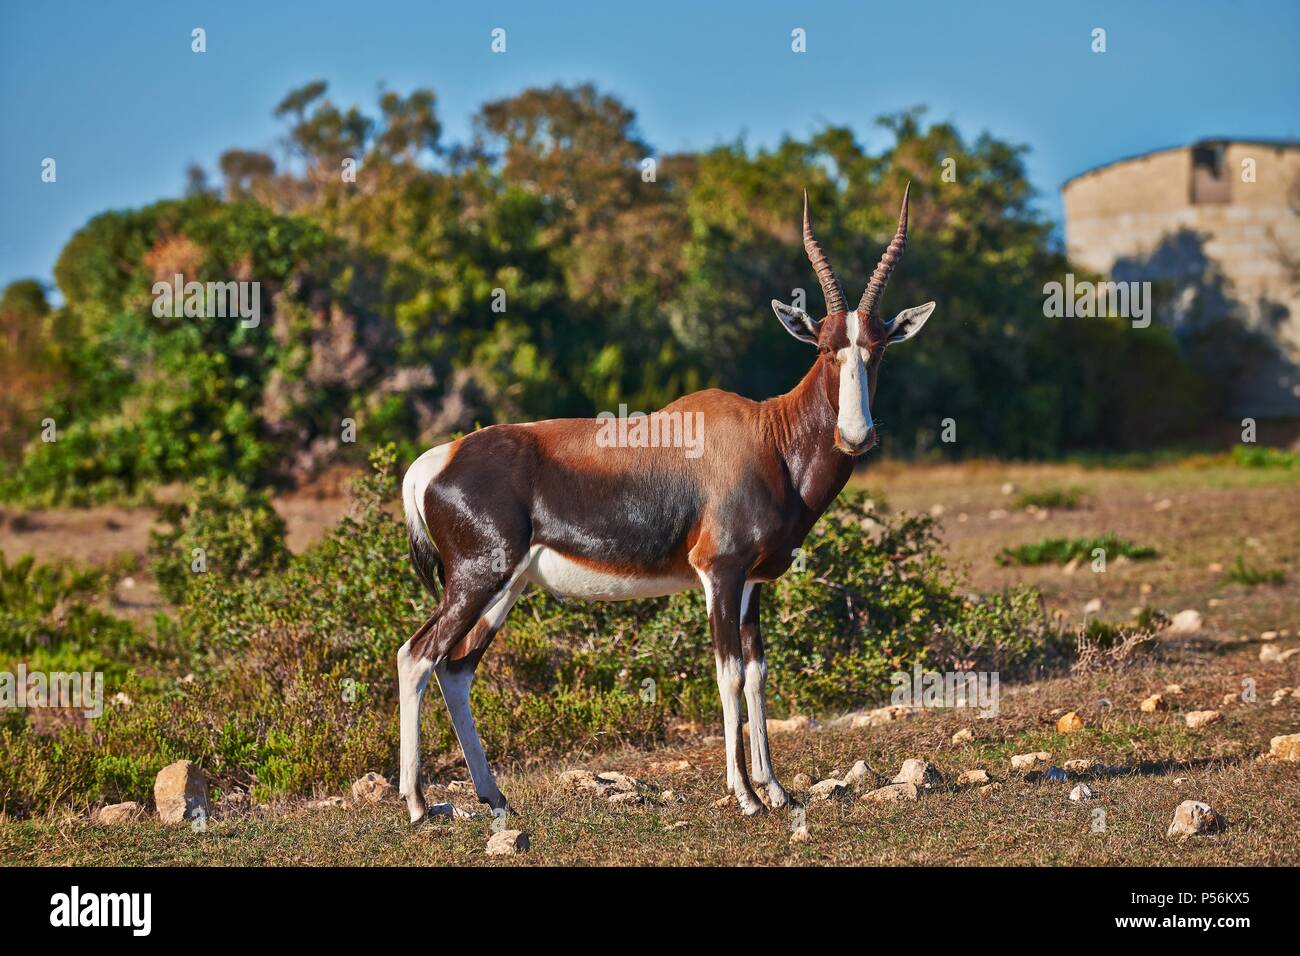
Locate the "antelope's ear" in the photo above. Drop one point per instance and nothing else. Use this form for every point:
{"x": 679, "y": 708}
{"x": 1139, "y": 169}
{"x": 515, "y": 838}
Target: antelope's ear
{"x": 796, "y": 322}
{"x": 908, "y": 322}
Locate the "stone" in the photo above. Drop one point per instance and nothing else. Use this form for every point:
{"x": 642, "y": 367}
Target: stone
{"x": 893, "y": 793}
{"x": 1194, "y": 818}
{"x": 988, "y": 790}
{"x": 1070, "y": 723}
{"x": 827, "y": 790}
{"x": 1281, "y": 694}
{"x": 180, "y": 792}
{"x": 1093, "y": 606}
{"x": 1174, "y": 690}
{"x": 507, "y": 843}
{"x": 329, "y": 803}
{"x": 1229, "y": 699}
{"x": 788, "y": 725}
{"x": 1268, "y": 636}
{"x": 1030, "y": 761}
{"x": 1164, "y": 504}
{"x": 801, "y": 835}
{"x": 579, "y": 780}
{"x": 1270, "y": 654}
{"x": 1009, "y": 487}
{"x": 671, "y": 766}
{"x": 116, "y": 813}
{"x": 963, "y": 736}
{"x": 1197, "y": 719}
{"x": 629, "y": 797}
{"x": 801, "y": 782}
{"x": 1286, "y": 747}
{"x": 1081, "y": 765}
{"x": 919, "y": 773}
{"x": 1072, "y": 566}
{"x": 373, "y": 788}
{"x": 1187, "y": 621}
{"x": 1153, "y": 703}
{"x": 1082, "y": 792}
{"x": 613, "y": 780}
{"x": 859, "y": 771}
{"x": 970, "y": 778}
{"x": 885, "y": 715}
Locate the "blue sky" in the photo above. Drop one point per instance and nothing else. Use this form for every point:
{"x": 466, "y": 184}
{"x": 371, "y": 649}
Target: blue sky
{"x": 112, "y": 91}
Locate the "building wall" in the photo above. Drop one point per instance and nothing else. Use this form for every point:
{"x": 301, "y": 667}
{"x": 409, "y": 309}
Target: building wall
{"x": 1121, "y": 217}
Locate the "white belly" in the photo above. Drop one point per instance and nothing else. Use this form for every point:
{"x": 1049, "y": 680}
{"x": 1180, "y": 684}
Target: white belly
{"x": 568, "y": 578}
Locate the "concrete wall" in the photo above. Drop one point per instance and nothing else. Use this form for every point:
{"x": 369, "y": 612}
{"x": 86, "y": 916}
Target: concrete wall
{"x": 1126, "y": 218}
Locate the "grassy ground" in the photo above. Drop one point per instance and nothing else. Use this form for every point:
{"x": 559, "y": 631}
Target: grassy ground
{"x": 1200, "y": 519}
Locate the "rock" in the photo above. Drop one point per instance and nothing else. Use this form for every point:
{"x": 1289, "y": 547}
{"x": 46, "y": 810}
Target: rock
{"x": 1081, "y": 792}
{"x": 329, "y": 803}
{"x": 1229, "y": 699}
{"x": 116, "y": 813}
{"x": 373, "y": 788}
{"x": 827, "y": 789}
{"x": 788, "y": 725}
{"x": 893, "y": 793}
{"x": 1093, "y": 606}
{"x": 180, "y": 792}
{"x": 801, "y": 782}
{"x": 1193, "y": 818}
{"x": 801, "y": 835}
{"x": 670, "y": 766}
{"x": 1268, "y": 636}
{"x": 1197, "y": 719}
{"x": 997, "y": 514}
{"x": 1164, "y": 504}
{"x": 1174, "y": 690}
{"x": 885, "y": 715}
{"x": 1009, "y": 487}
{"x": 970, "y": 778}
{"x": 629, "y": 797}
{"x": 579, "y": 780}
{"x": 1281, "y": 694}
{"x": 507, "y": 843}
{"x": 919, "y": 773}
{"x": 1070, "y": 723}
{"x": 1029, "y": 761}
{"x": 1285, "y": 747}
{"x": 1188, "y": 621}
{"x": 858, "y": 771}
{"x": 937, "y": 511}
{"x": 1081, "y": 765}
{"x": 613, "y": 780}
{"x": 988, "y": 790}
{"x": 722, "y": 801}
{"x": 1153, "y": 703}
{"x": 1072, "y": 566}
{"x": 963, "y": 736}
{"x": 1270, "y": 654}
{"x": 449, "y": 810}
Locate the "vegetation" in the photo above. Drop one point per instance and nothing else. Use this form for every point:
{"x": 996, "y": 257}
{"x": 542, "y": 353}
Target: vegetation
{"x": 1249, "y": 575}
{"x": 288, "y": 683}
{"x": 1065, "y": 550}
{"x": 1065, "y": 499}
{"x": 541, "y": 269}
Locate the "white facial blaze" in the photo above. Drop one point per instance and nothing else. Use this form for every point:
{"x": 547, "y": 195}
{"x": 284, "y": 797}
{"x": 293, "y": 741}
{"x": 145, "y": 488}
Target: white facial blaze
{"x": 855, "y": 403}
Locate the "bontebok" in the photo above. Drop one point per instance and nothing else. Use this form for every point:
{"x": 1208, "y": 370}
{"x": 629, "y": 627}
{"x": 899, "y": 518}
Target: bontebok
{"x": 559, "y": 504}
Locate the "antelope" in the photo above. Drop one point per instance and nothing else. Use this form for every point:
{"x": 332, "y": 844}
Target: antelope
{"x": 547, "y": 503}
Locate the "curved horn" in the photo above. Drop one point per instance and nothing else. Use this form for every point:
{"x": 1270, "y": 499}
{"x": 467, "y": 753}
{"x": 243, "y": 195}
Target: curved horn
{"x": 870, "y": 303}
{"x": 832, "y": 291}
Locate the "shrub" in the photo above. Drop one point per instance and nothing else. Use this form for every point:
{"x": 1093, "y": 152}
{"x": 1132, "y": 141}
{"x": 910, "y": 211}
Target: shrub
{"x": 1065, "y": 499}
{"x": 223, "y": 529}
{"x": 1249, "y": 575}
{"x": 1064, "y": 550}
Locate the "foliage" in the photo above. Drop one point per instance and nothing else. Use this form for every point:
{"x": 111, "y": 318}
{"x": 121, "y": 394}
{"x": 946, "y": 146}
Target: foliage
{"x": 537, "y": 271}
{"x": 221, "y": 533}
{"x": 1065, "y": 550}
{"x": 1250, "y": 575}
{"x": 1064, "y": 499}
{"x": 1261, "y": 456}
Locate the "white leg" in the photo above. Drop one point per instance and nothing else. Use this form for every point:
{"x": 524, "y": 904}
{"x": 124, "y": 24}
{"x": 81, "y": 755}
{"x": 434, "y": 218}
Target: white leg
{"x": 760, "y": 758}
{"x": 455, "y": 686}
{"x": 456, "y": 681}
{"x": 412, "y": 679}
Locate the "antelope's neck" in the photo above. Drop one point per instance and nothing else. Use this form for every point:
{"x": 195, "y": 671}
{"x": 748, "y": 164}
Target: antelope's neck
{"x": 802, "y": 425}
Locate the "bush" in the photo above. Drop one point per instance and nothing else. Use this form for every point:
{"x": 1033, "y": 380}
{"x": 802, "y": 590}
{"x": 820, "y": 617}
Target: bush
{"x": 1065, "y": 550}
{"x": 222, "y": 533}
